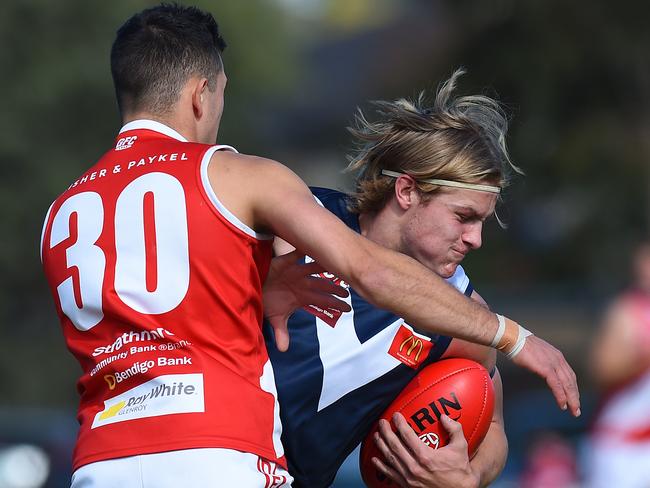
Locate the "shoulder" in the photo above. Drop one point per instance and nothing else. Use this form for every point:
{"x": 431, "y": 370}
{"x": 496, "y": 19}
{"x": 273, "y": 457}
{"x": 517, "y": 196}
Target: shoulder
{"x": 621, "y": 315}
{"x": 327, "y": 194}
{"x": 336, "y": 202}
{"x": 231, "y": 160}
{"x": 258, "y": 176}
{"x": 332, "y": 200}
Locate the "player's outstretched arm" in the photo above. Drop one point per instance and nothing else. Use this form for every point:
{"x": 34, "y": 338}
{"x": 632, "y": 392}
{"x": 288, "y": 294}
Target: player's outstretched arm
{"x": 270, "y": 198}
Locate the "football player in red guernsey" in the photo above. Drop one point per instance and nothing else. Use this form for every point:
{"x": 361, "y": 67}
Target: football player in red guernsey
{"x": 620, "y": 437}
{"x": 156, "y": 258}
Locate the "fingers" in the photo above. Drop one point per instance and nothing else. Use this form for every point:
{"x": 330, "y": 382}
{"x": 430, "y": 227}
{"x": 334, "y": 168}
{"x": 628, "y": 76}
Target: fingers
{"x": 557, "y": 389}
{"x": 287, "y": 259}
{"x": 281, "y": 332}
{"x": 389, "y": 472}
{"x": 307, "y": 270}
{"x": 324, "y": 301}
{"x": 312, "y": 268}
{"x": 407, "y": 434}
{"x": 568, "y": 379}
{"x": 563, "y": 383}
{"x": 453, "y": 428}
{"x": 548, "y": 362}
{"x": 326, "y": 286}
{"x": 391, "y": 447}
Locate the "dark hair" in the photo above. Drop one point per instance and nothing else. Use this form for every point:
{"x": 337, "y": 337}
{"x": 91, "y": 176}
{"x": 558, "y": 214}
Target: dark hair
{"x": 157, "y": 50}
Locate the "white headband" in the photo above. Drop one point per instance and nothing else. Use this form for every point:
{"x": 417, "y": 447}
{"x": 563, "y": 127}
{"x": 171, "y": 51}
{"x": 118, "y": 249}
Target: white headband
{"x": 455, "y": 184}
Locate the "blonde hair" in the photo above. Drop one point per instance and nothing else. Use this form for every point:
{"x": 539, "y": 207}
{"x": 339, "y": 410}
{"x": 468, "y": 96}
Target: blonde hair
{"x": 459, "y": 138}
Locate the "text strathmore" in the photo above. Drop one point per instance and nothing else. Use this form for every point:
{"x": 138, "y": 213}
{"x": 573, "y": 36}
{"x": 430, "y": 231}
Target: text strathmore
{"x": 106, "y": 361}
{"x": 133, "y": 336}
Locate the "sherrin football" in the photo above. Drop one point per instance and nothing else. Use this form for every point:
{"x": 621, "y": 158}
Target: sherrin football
{"x": 459, "y": 388}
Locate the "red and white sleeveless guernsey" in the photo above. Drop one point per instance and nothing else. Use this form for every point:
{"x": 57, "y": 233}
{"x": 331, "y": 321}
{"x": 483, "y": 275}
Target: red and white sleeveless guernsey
{"x": 624, "y": 416}
{"x": 158, "y": 288}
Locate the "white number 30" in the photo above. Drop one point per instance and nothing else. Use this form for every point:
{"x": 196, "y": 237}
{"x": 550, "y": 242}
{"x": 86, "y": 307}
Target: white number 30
{"x": 171, "y": 249}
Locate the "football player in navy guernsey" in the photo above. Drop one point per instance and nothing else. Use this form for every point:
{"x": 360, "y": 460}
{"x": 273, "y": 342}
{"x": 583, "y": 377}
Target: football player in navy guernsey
{"x": 427, "y": 179}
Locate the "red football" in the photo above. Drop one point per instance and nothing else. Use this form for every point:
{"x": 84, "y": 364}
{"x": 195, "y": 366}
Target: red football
{"x": 459, "y": 388}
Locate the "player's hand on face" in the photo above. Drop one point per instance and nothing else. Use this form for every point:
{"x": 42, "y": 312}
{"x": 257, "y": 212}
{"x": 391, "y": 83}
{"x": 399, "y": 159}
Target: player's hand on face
{"x": 411, "y": 463}
{"x": 546, "y": 361}
{"x": 289, "y": 286}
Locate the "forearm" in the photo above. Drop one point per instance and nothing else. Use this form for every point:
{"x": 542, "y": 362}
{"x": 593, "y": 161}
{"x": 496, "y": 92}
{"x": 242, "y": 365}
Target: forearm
{"x": 387, "y": 279}
{"x": 491, "y": 456}
{"x": 423, "y": 299}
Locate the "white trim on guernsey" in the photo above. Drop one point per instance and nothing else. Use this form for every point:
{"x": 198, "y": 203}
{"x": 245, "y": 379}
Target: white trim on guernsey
{"x": 47, "y": 217}
{"x": 459, "y": 279}
{"x": 205, "y": 162}
{"x": 154, "y": 126}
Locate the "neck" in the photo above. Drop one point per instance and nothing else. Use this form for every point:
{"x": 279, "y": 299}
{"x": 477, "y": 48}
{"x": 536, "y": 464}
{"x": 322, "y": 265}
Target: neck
{"x": 175, "y": 121}
{"x": 382, "y": 227}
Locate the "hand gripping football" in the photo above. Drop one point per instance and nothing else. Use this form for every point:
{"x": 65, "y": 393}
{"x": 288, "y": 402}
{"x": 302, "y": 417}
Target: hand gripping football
{"x": 459, "y": 388}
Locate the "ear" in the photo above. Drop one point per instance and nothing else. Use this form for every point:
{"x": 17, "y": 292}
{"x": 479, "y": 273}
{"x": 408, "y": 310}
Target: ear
{"x": 198, "y": 96}
{"x": 406, "y": 192}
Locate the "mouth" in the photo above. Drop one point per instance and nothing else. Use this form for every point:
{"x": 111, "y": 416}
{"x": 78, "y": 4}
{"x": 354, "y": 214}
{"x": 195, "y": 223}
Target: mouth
{"x": 460, "y": 254}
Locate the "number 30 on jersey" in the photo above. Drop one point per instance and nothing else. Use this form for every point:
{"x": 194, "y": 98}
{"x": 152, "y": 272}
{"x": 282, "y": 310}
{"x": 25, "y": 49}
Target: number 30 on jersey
{"x": 166, "y": 196}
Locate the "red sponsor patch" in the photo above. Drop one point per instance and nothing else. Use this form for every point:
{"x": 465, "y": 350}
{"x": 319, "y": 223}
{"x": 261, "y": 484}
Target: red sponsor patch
{"x": 329, "y": 315}
{"x": 409, "y": 348}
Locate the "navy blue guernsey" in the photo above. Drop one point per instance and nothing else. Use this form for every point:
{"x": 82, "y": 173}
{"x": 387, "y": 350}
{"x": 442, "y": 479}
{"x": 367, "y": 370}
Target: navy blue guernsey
{"x": 342, "y": 370}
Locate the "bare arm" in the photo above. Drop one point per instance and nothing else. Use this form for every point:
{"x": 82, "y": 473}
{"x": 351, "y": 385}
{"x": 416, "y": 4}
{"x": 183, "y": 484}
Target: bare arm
{"x": 617, "y": 333}
{"x": 491, "y": 456}
{"x": 269, "y": 197}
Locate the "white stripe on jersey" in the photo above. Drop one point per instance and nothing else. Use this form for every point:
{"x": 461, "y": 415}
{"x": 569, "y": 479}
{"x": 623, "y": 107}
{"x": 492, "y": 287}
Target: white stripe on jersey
{"x": 267, "y": 383}
{"x": 232, "y": 218}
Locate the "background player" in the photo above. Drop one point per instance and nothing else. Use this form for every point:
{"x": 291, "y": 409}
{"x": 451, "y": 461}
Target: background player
{"x": 621, "y": 367}
{"x": 342, "y": 370}
{"x": 156, "y": 258}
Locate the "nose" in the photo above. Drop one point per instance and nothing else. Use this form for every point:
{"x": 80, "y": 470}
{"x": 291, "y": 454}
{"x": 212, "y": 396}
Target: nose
{"x": 472, "y": 235}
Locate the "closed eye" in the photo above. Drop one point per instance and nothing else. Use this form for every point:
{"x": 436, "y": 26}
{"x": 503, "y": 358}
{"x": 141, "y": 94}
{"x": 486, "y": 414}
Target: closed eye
{"x": 465, "y": 218}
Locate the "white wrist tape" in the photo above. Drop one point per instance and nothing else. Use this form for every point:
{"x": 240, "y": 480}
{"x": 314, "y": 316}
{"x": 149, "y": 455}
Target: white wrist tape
{"x": 510, "y": 337}
{"x": 500, "y": 330}
{"x": 521, "y": 340}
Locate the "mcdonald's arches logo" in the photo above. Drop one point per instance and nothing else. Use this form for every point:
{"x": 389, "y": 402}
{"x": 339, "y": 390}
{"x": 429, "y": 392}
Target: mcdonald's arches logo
{"x": 409, "y": 348}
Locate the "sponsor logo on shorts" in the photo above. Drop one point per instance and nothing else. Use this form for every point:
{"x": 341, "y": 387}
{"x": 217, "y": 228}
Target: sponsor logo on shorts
{"x": 410, "y": 348}
{"x": 273, "y": 478}
{"x": 164, "y": 395}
